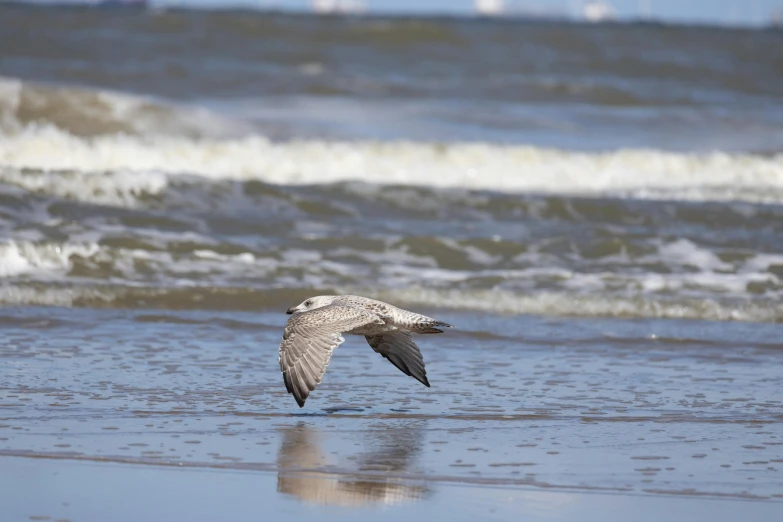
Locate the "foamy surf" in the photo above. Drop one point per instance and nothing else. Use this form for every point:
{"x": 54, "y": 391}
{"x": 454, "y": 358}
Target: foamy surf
{"x": 682, "y": 280}
{"x": 133, "y": 161}
{"x": 586, "y": 305}
{"x": 556, "y": 304}
{"x": 112, "y": 147}
{"x": 188, "y": 215}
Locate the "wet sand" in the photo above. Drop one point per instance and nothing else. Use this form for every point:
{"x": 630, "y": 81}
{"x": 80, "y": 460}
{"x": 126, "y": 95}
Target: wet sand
{"x": 82, "y": 491}
{"x": 127, "y": 415}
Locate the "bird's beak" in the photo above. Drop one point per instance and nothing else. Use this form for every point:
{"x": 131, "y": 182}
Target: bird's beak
{"x": 291, "y": 310}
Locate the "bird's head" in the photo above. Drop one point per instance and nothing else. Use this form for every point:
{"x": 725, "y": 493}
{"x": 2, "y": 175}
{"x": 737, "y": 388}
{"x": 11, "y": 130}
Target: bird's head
{"x": 312, "y": 303}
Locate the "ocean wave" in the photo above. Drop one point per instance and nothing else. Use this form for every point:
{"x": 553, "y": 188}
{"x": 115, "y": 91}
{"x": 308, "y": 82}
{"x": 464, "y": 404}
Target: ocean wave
{"x": 150, "y": 164}
{"x": 113, "y": 148}
{"x": 49, "y": 259}
{"x": 690, "y": 281}
{"x": 85, "y": 112}
{"x": 483, "y": 301}
{"x": 586, "y": 305}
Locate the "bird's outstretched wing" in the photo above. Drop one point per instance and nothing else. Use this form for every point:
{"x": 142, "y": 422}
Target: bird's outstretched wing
{"x": 402, "y": 352}
{"x": 309, "y": 340}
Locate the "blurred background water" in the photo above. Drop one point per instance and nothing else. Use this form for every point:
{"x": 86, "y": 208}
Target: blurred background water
{"x": 199, "y": 158}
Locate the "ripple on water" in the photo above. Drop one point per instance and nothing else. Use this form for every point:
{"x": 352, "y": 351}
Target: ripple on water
{"x": 227, "y": 407}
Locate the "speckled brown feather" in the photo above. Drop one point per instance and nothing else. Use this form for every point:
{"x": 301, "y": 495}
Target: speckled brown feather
{"x": 402, "y": 319}
{"x": 308, "y": 341}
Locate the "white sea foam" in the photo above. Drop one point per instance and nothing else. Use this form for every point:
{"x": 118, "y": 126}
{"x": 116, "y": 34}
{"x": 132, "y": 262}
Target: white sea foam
{"x": 762, "y": 263}
{"x": 121, "y": 188}
{"x": 25, "y": 257}
{"x": 693, "y": 271}
{"x": 580, "y": 305}
{"x": 143, "y": 142}
{"x": 489, "y": 301}
{"x": 143, "y": 164}
{"x": 40, "y": 273}
{"x": 685, "y": 253}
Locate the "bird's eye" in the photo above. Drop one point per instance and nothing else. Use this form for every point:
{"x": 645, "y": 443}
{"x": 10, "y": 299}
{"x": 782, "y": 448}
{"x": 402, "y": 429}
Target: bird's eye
{"x": 308, "y": 303}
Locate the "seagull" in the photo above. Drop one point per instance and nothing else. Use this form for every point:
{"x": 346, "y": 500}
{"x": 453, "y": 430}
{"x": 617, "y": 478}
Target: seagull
{"x": 316, "y": 327}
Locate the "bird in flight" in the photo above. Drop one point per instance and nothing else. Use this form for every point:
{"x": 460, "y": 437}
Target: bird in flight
{"x": 316, "y": 327}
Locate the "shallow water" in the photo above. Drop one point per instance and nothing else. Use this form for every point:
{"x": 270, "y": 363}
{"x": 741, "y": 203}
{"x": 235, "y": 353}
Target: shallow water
{"x": 94, "y": 491}
{"x": 639, "y": 407}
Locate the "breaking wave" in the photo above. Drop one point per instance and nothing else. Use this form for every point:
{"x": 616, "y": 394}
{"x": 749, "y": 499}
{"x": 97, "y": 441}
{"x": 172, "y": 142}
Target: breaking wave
{"x": 690, "y": 283}
{"x": 115, "y": 200}
{"x": 86, "y": 112}
{"x": 146, "y": 164}
{"x": 118, "y": 145}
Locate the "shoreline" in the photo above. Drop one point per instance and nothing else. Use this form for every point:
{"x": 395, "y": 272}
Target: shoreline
{"x": 77, "y": 491}
{"x": 382, "y": 477}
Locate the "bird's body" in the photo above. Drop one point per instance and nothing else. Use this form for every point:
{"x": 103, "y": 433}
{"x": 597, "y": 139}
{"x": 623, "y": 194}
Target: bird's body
{"x": 316, "y": 329}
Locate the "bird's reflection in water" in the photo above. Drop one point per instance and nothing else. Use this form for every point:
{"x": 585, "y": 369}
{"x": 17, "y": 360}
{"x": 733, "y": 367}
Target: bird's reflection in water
{"x": 302, "y": 468}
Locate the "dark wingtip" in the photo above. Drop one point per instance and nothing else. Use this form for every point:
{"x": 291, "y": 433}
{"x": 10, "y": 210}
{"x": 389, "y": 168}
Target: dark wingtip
{"x": 289, "y": 386}
{"x": 423, "y": 379}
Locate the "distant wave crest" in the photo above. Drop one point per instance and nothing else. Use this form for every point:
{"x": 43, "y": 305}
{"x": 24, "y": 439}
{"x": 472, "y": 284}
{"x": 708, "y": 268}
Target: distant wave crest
{"x": 143, "y": 142}
{"x": 89, "y": 112}
{"x": 138, "y": 161}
